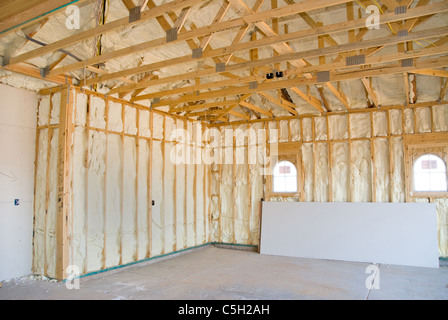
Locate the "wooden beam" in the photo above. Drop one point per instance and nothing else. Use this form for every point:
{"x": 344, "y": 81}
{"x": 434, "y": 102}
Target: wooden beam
{"x": 338, "y": 94}
{"x": 337, "y": 76}
{"x": 282, "y": 103}
{"x": 219, "y": 16}
{"x": 222, "y": 26}
{"x": 281, "y": 48}
{"x": 309, "y": 99}
{"x": 328, "y": 67}
{"x": 305, "y": 34}
{"x": 198, "y": 87}
{"x": 129, "y": 4}
{"x": 108, "y": 27}
{"x": 368, "y": 85}
{"x": 35, "y": 73}
{"x": 351, "y": 111}
{"x": 443, "y": 89}
{"x": 287, "y": 57}
{"x": 325, "y": 104}
{"x": 432, "y": 72}
{"x": 64, "y": 173}
{"x": 179, "y": 24}
{"x": 256, "y": 109}
{"x": 407, "y": 88}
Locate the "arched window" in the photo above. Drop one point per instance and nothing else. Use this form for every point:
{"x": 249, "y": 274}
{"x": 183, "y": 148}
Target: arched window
{"x": 285, "y": 178}
{"x": 430, "y": 174}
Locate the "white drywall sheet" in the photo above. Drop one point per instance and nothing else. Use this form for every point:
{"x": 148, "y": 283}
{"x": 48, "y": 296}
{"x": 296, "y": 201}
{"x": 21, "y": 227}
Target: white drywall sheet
{"x": 17, "y": 142}
{"x": 390, "y": 233}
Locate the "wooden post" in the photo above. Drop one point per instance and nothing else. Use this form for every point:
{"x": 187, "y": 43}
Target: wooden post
{"x": 64, "y": 165}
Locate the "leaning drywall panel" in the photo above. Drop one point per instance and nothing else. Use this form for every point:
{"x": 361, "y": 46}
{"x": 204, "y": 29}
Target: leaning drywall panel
{"x": 389, "y": 233}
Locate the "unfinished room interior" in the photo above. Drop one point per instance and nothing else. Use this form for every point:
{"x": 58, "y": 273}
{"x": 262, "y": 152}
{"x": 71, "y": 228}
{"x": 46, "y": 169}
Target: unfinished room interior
{"x": 224, "y": 150}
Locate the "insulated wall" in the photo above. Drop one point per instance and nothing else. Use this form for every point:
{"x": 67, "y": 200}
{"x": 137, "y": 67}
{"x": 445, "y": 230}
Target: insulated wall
{"x": 123, "y": 157}
{"x": 348, "y": 157}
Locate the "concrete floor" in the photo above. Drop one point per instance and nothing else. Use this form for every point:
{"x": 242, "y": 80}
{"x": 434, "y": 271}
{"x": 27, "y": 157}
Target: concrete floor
{"x": 214, "y": 273}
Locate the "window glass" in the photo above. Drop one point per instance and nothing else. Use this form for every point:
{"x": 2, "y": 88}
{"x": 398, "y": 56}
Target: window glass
{"x": 430, "y": 174}
{"x": 285, "y": 178}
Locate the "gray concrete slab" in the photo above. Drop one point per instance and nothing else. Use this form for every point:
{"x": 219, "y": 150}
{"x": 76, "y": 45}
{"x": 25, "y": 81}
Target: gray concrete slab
{"x": 214, "y": 273}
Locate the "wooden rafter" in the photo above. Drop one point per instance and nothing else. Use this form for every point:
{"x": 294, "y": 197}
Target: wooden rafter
{"x": 264, "y": 62}
{"x": 235, "y": 48}
{"x": 372, "y": 94}
{"x": 337, "y": 76}
{"x": 108, "y": 27}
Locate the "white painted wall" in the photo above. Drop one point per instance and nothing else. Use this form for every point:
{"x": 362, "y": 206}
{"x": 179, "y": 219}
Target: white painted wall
{"x": 17, "y": 154}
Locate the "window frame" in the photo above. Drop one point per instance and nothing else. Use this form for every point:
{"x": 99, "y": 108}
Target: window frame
{"x": 417, "y": 147}
{"x": 296, "y": 177}
{"x": 291, "y": 152}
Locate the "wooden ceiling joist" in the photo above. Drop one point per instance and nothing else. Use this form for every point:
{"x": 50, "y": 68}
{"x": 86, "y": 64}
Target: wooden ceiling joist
{"x": 300, "y": 35}
{"x": 371, "y": 60}
{"x": 337, "y": 76}
{"x": 108, "y": 27}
